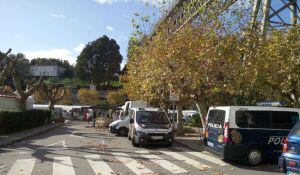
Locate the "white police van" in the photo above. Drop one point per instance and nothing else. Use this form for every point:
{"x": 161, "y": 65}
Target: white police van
{"x": 150, "y": 126}
{"x": 249, "y": 133}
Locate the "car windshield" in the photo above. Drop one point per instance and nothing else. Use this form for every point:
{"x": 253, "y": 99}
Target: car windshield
{"x": 296, "y": 130}
{"x": 151, "y": 117}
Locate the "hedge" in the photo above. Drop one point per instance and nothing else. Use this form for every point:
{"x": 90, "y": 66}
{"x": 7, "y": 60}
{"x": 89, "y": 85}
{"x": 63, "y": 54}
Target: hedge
{"x": 13, "y": 121}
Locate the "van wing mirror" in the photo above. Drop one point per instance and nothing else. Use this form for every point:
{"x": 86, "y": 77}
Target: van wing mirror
{"x": 131, "y": 121}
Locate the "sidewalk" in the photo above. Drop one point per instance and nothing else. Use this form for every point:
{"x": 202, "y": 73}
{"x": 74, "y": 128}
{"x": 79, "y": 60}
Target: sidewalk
{"x": 19, "y": 136}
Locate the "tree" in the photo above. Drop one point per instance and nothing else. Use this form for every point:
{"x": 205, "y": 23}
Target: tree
{"x": 99, "y": 61}
{"x": 54, "y": 93}
{"x": 31, "y": 87}
{"x": 16, "y": 68}
{"x": 88, "y": 97}
{"x": 116, "y": 97}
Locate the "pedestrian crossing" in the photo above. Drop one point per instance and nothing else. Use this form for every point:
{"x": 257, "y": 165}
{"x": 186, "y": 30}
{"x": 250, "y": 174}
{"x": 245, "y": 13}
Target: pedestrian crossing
{"x": 169, "y": 161}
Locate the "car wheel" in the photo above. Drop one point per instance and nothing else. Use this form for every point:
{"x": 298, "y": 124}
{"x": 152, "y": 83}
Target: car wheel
{"x": 254, "y": 156}
{"x": 122, "y": 132}
{"x": 133, "y": 142}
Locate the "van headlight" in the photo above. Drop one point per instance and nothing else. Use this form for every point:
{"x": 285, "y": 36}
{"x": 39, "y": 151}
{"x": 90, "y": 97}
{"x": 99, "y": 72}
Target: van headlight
{"x": 170, "y": 130}
{"x": 139, "y": 129}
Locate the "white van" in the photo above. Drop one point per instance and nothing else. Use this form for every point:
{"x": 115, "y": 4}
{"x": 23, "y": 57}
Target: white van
{"x": 133, "y": 104}
{"x": 150, "y": 126}
{"x": 249, "y": 133}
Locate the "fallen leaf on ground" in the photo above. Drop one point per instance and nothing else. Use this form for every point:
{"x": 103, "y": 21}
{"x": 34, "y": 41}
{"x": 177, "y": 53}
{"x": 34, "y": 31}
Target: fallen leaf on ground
{"x": 218, "y": 173}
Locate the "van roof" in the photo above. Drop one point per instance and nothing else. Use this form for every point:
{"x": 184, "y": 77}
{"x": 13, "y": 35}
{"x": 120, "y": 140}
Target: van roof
{"x": 147, "y": 109}
{"x": 255, "y": 107}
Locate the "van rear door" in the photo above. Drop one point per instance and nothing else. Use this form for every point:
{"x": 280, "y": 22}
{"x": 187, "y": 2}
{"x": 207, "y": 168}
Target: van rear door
{"x": 215, "y": 127}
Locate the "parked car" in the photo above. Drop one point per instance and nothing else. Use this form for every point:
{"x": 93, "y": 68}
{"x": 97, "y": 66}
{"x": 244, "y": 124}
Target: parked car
{"x": 150, "y": 126}
{"x": 120, "y": 126}
{"x": 289, "y": 161}
{"x": 249, "y": 133}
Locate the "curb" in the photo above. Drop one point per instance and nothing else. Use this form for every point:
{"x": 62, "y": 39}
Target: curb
{"x": 30, "y": 135}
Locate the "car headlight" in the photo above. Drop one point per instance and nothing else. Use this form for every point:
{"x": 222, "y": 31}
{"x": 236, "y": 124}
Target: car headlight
{"x": 139, "y": 129}
{"x": 170, "y": 130}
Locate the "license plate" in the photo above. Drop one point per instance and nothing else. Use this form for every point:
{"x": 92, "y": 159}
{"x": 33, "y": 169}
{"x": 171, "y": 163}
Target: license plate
{"x": 157, "y": 137}
{"x": 210, "y": 144}
{"x": 292, "y": 173}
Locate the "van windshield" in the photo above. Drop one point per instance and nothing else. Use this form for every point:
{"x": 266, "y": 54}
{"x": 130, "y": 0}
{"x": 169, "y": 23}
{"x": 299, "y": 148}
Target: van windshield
{"x": 144, "y": 117}
{"x": 296, "y": 130}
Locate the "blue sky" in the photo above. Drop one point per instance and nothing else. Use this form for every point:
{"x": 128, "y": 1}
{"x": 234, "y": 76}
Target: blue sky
{"x": 60, "y": 28}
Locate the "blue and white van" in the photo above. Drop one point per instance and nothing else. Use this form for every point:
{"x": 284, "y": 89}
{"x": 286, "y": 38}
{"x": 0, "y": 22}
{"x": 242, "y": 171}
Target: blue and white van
{"x": 249, "y": 133}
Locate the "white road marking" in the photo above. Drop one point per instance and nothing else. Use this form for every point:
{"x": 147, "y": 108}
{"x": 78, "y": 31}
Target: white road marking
{"x": 14, "y": 153}
{"x": 22, "y": 167}
{"x": 56, "y": 145}
{"x": 174, "y": 169}
{"x": 76, "y": 136}
{"x": 205, "y": 157}
{"x": 98, "y": 165}
{"x": 186, "y": 160}
{"x": 132, "y": 164}
{"x": 63, "y": 165}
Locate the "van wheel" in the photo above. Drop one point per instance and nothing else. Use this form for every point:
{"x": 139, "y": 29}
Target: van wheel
{"x": 254, "y": 156}
{"x": 122, "y": 132}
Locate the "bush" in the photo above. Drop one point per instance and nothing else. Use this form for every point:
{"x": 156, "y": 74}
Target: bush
{"x": 13, "y": 121}
{"x": 195, "y": 120}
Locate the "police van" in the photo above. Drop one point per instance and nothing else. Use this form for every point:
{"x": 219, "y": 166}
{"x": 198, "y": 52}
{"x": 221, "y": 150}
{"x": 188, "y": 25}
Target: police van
{"x": 250, "y": 133}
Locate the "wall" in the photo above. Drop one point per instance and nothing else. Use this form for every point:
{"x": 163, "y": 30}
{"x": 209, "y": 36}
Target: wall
{"x": 9, "y": 104}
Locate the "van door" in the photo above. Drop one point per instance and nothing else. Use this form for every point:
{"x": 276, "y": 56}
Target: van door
{"x": 215, "y": 127}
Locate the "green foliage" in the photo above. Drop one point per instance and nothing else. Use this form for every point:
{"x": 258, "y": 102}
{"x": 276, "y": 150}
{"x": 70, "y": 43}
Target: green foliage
{"x": 116, "y": 97}
{"x": 13, "y": 121}
{"x": 195, "y": 120}
{"x": 99, "y": 61}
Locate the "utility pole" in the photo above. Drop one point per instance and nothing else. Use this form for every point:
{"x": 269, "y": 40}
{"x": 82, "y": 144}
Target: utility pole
{"x": 273, "y": 13}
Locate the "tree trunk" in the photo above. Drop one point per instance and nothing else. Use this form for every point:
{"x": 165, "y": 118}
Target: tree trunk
{"x": 203, "y": 109}
{"x": 23, "y": 104}
{"x": 179, "y": 119}
{"x": 51, "y": 105}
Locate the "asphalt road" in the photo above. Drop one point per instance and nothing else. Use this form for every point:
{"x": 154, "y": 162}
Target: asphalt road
{"x": 79, "y": 149}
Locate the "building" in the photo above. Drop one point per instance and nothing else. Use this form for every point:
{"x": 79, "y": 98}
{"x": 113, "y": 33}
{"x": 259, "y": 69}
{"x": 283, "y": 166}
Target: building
{"x": 46, "y": 69}
{"x": 8, "y": 100}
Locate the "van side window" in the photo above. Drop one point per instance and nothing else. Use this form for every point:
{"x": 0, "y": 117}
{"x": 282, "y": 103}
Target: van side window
{"x": 284, "y": 119}
{"x": 253, "y": 119}
{"x": 216, "y": 116}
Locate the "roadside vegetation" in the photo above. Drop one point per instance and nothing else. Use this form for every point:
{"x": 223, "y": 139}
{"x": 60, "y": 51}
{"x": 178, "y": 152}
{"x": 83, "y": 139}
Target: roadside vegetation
{"x": 217, "y": 62}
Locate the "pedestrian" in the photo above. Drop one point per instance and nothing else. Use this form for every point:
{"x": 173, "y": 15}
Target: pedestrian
{"x": 94, "y": 116}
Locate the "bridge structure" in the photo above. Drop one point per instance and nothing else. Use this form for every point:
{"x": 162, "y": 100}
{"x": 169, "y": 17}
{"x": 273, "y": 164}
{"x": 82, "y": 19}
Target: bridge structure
{"x": 266, "y": 14}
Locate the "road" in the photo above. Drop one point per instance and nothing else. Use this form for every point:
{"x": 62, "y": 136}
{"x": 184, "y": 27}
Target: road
{"x": 79, "y": 149}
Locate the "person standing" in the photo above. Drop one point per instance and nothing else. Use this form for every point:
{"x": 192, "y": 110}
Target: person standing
{"x": 94, "y": 117}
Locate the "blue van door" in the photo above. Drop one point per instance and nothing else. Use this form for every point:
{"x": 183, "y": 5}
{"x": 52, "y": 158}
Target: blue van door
{"x": 215, "y": 127}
